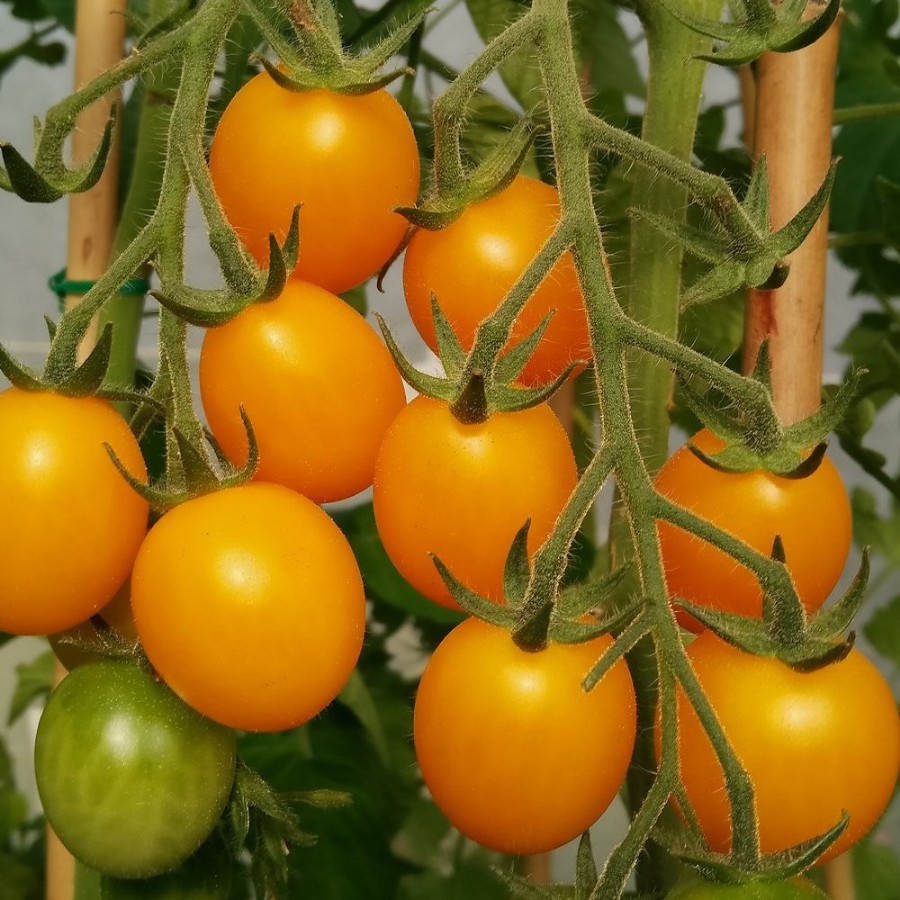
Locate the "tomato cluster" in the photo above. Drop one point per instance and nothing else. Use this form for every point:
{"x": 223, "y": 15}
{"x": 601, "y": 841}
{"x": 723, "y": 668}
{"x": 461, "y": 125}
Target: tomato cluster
{"x": 816, "y": 745}
{"x": 248, "y": 602}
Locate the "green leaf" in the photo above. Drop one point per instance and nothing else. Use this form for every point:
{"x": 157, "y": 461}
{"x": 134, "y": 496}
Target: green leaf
{"x": 34, "y": 681}
{"x": 876, "y": 870}
{"x": 470, "y": 878}
{"x": 883, "y": 632}
{"x": 356, "y": 697}
{"x": 870, "y": 529}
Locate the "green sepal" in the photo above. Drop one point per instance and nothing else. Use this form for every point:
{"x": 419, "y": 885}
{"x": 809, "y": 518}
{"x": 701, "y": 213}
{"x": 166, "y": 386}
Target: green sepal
{"x": 495, "y": 173}
{"x": 474, "y": 604}
{"x": 765, "y": 28}
{"x": 579, "y": 599}
{"x": 88, "y": 377}
{"x": 509, "y": 398}
{"x": 159, "y": 496}
{"x": 827, "y": 418}
{"x": 450, "y": 351}
{"x": 710, "y": 246}
{"x": 25, "y": 180}
{"x": 756, "y": 200}
{"x": 835, "y": 619}
{"x": 585, "y": 868}
{"x": 18, "y": 374}
{"x": 211, "y": 308}
{"x": 720, "y": 281}
{"x": 332, "y": 68}
{"x": 234, "y": 477}
{"x": 521, "y": 887}
{"x": 792, "y": 235}
{"x": 51, "y": 327}
{"x": 511, "y": 364}
{"x": 430, "y": 385}
{"x": 717, "y": 868}
{"x": 259, "y": 820}
{"x": 517, "y": 570}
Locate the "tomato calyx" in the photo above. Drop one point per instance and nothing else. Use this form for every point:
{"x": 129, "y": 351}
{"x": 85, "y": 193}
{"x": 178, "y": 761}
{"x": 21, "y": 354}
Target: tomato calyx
{"x": 689, "y": 846}
{"x": 319, "y": 60}
{"x": 263, "y": 821}
{"x": 754, "y": 439}
{"x": 785, "y": 631}
{"x": 481, "y": 382}
{"x": 244, "y": 282}
{"x": 764, "y": 28}
{"x": 495, "y": 172}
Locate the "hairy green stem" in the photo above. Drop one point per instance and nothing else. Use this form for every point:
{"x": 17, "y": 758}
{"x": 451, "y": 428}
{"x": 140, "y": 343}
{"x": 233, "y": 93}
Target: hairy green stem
{"x": 125, "y": 314}
{"x": 842, "y": 116}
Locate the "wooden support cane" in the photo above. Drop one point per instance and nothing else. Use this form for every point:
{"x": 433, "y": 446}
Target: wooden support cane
{"x": 99, "y": 40}
{"x": 794, "y": 99}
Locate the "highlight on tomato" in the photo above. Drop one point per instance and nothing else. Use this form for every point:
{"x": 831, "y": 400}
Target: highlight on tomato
{"x": 72, "y": 525}
{"x": 131, "y": 779}
{"x": 349, "y": 159}
{"x": 517, "y": 756}
{"x": 471, "y": 264}
{"x": 811, "y": 515}
{"x": 461, "y": 492}
{"x": 249, "y": 603}
{"x": 815, "y": 744}
{"x": 317, "y": 383}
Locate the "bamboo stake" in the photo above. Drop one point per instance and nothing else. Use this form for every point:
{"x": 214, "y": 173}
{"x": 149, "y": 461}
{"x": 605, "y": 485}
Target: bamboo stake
{"x": 792, "y": 127}
{"x": 99, "y": 40}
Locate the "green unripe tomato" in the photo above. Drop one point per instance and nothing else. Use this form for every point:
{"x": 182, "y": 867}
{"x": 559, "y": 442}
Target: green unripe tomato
{"x": 795, "y": 889}
{"x": 132, "y": 780}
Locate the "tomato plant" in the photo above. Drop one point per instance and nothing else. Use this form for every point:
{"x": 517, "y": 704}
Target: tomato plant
{"x": 498, "y": 237}
{"x": 131, "y": 779}
{"x": 517, "y": 756}
{"x": 461, "y": 492}
{"x": 249, "y": 604}
{"x": 72, "y": 525}
{"x": 348, "y": 159}
{"x": 278, "y": 360}
{"x": 796, "y": 889}
{"x": 814, "y": 744}
{"x": 810, "y": 514}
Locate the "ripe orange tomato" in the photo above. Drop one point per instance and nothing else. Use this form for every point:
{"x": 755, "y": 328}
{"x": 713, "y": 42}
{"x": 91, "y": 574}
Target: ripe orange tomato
{"x": 461, "y": 492}
{"x": 71, "y": 525}
{"x": 811, "y": 514}
{"x": 348, "y": 159}
{"x": 249, "y": 604}
{"x": 317, "y": 383}
{"x": 515, "y": 753}
{"x": 814, "y": 744}
{"x": 471, "y": 265}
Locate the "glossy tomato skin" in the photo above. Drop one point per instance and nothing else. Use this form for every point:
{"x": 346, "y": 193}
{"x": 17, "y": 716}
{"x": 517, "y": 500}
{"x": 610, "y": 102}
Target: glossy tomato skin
{"x": 72, "y": 525}
{"x": 795, "y": 889}
{"x": 461, "y": 492}
{"x": 131, "y": 779}
{"x": 348, "y": 159}
{"x": 471, "y": 264}
{"x": 812, "y": 515}
{"x": 517, "y": 756}
{"x": 814, "y": 744}
{"x": 249, "y": 604}
{"x": 317, "y": 383}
